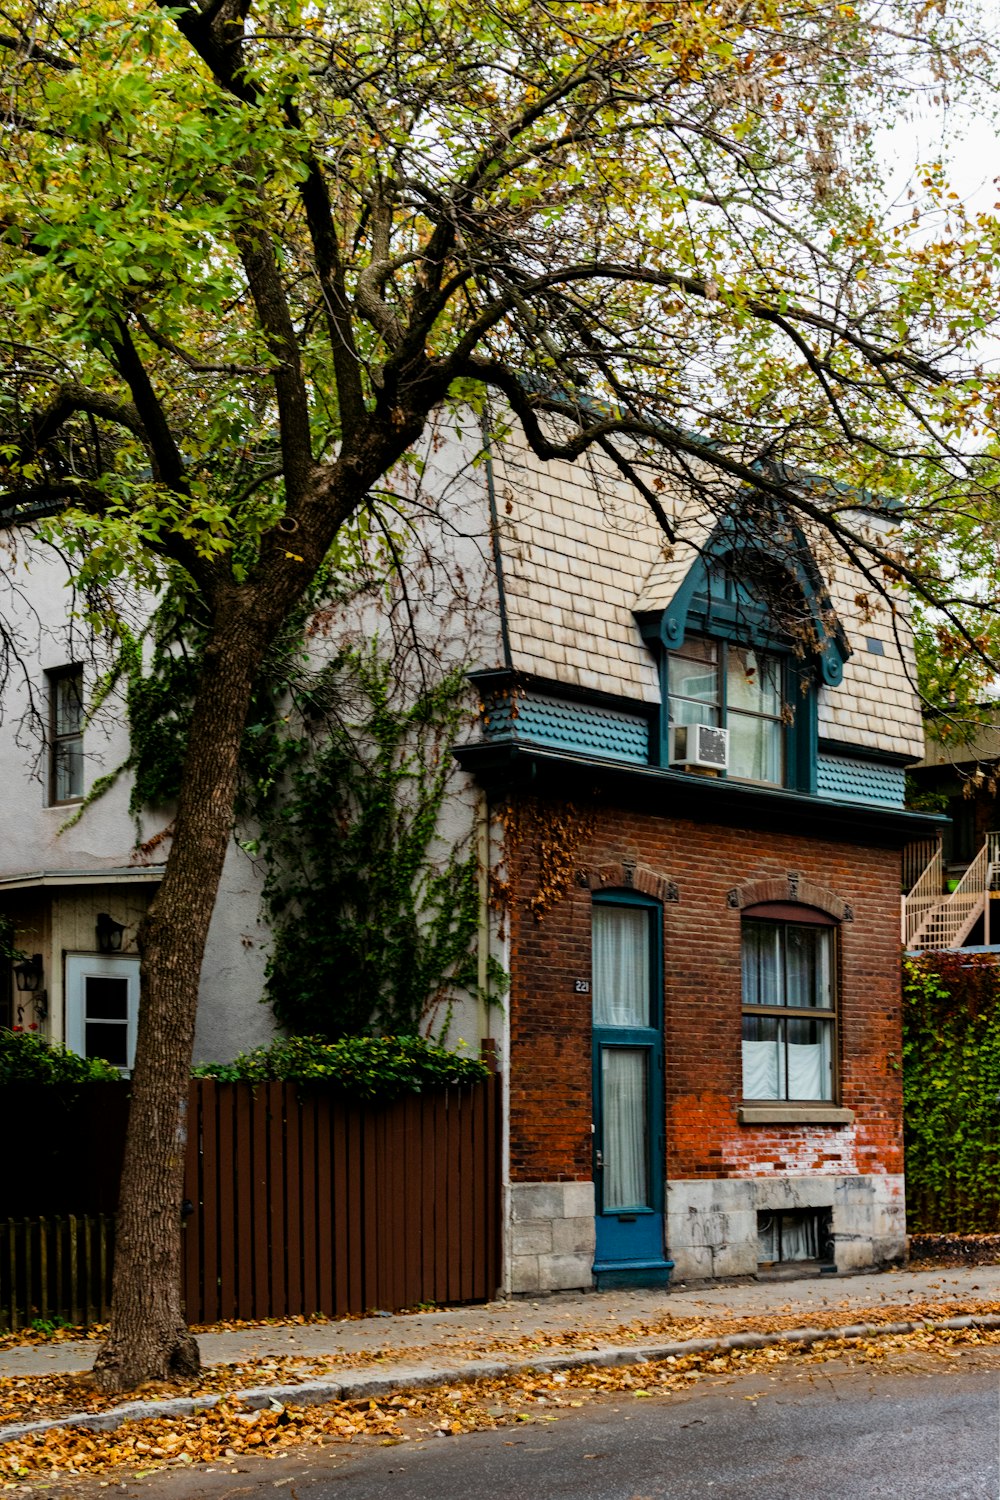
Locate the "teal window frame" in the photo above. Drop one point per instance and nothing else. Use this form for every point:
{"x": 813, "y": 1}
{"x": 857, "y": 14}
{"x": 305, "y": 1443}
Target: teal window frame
{"x": 800, "y": 740}
{"x": 733, "y": 614}
{"x": 726, "y": 612}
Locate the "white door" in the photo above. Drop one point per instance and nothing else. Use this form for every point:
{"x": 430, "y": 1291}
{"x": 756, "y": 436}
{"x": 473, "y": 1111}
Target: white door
{"x": 102, "y": 1006}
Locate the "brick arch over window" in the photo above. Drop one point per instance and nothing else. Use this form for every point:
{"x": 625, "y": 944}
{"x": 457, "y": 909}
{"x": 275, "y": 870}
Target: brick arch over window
{"x": 626, "y": 875}
{"x": 790, "y": 887}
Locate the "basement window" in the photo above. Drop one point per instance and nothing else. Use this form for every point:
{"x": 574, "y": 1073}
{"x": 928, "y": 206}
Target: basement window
{"x": 796, "y": 1235}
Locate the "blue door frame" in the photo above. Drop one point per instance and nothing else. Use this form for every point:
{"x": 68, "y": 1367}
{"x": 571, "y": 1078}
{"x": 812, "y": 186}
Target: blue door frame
{"x": 629, "y": 1249}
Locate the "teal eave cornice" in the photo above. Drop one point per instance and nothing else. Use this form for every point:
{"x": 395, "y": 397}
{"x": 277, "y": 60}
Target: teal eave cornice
{"x": 680, "y": 794}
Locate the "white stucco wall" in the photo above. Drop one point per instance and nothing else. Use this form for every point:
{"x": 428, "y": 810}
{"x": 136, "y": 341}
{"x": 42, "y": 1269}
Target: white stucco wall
{"x": 36, "y": 604}
{"x": 449, "y": 599}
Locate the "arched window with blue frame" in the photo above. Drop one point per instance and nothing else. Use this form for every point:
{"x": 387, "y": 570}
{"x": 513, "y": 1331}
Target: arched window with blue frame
{"x": 744, "y": 645}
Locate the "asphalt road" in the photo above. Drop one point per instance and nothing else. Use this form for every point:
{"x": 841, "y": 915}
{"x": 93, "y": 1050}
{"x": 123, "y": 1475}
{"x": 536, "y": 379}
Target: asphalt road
{"x": 836, "y": 1434}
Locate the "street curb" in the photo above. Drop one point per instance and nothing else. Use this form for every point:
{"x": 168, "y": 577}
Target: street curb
{"x": 422, "y": 1377}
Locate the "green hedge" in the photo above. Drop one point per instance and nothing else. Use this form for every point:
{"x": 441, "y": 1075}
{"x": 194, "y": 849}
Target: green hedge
{"x": 26, "y": 1057}
{"x": 369, "y": 1067}
{"x": 951, "y": 1090}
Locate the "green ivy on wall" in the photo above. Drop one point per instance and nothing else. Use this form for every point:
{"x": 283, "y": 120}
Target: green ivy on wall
{"x": 374, "y": 916}
{"x": 344, "y": 773}
{"x": 951, "y": 1088}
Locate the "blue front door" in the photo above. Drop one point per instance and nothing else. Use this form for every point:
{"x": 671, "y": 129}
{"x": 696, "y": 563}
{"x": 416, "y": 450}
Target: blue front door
{"x": 628, "y": 1090}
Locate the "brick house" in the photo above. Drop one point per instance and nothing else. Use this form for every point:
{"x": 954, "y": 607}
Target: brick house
{"x": 687, "y": 790}
{"x": 701, "y": 929}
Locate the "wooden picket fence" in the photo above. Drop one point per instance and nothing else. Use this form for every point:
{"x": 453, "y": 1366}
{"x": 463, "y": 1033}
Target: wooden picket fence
{"x": 55, "y": 1270}
{"x": 298, "y": 1201}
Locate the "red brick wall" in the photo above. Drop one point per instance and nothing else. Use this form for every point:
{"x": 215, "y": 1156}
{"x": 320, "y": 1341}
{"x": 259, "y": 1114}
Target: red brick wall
{"x": 550, "y": 1066}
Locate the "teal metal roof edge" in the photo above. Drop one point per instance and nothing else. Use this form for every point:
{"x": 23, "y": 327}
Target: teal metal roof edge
{"x": 853, "y": 751}
{"x": 498, "y": 679}
{"x": 503, "y": 765}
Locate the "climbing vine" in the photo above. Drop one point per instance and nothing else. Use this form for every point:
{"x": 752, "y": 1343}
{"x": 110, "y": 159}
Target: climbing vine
{"x": 159, "y": 696}
{"x": 541, "y": 844}
{"x": 344, "y": 775}
{"x": 374, "y": 917}
{"x": 951, "y": 1083}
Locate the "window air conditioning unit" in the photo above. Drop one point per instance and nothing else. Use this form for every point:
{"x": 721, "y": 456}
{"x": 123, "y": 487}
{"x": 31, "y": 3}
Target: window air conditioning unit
{"x": 704, "y": 746}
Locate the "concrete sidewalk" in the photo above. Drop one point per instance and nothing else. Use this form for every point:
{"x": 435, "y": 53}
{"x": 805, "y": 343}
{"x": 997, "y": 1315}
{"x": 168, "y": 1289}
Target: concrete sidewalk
{"x": 503, "y": 1331}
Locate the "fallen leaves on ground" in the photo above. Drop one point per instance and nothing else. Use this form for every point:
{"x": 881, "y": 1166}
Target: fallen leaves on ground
{"x": 13, "y": 1339}
{"x": 228, "y": 1431}
{"x": 29, "y": 1398}
{"x": 95, "y": 1332}
{"x": 33, "y": 1397}
{"x": 585, "y": 1335}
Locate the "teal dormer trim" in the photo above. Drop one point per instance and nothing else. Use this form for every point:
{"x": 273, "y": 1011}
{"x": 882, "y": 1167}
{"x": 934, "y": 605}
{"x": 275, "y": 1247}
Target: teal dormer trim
{"x": 697, "y": 604}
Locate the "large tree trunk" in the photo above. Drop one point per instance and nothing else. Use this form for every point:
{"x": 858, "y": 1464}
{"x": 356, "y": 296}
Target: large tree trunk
{"x": 149, "y": 1338}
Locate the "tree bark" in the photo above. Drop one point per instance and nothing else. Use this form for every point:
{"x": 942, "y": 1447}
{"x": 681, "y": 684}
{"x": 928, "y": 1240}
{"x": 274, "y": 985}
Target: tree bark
{"x": 149, "y": 1338}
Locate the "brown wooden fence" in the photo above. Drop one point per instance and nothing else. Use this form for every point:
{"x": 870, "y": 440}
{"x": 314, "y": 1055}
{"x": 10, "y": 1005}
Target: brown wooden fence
{"x": 298, "y": 1200}
{"x": 306, "y": 1203}
{"x": 55, "y": 1270}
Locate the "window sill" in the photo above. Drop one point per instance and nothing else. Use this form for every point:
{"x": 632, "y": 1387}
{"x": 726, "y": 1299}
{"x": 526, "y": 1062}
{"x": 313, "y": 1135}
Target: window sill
{"x": 766, "y": 1113}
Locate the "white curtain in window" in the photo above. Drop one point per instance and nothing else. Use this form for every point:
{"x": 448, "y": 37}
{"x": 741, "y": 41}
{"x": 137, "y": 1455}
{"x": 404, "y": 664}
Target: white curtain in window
{"x": 810, "y": 1059}
{"x": 768, "y": 1240}
{"x": 753, "y": 681}
{"x": 763, "y": 1069}
{"x": 626, "y": 1152}
{"x": 791, "y": 1236}
{"x": 761, "y": 963}
{"x": 754, "y": 748}
{"x": 807, "y": 966}
{"x": 799, "y": 1236}
{"x": 621, "y": 965}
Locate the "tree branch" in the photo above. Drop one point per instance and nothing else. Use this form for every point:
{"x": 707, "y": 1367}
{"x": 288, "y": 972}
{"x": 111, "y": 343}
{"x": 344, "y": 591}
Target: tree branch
{"x": 29, "y": 51}
{"x": 698, "y": 287}
{"x": 168, "y": 466}
{"x": 68, "y": 400}
{"x": 168, "y": 346}
{"x": 217, "y": 35}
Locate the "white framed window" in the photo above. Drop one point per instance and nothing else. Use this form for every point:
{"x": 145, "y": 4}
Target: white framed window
{"x": 102, "y": 1006}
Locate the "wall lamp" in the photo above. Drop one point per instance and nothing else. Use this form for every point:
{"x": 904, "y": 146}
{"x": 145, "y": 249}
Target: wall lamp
{"x": 28, "y": 977}
{"x": 109, "y": 933}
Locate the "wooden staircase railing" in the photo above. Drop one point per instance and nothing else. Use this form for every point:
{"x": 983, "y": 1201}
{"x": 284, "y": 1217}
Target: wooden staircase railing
{"x": 949, "y": 921}
{"x": 926, "y": 893}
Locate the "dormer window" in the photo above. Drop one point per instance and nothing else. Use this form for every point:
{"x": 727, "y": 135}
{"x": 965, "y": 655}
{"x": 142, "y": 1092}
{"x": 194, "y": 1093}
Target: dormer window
{"x": 745, "y": 643}
{"x": 715, "y": 682}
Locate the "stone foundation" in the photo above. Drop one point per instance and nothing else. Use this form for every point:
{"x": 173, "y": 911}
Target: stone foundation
{"x": 711, "y": 1226}
{"x": 551, "y": 1236}
{"x": 712, "y": 1223}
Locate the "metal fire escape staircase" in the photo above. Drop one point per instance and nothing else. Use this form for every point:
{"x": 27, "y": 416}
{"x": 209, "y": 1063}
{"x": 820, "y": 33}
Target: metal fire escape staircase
{"x": 933, "y": 918}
